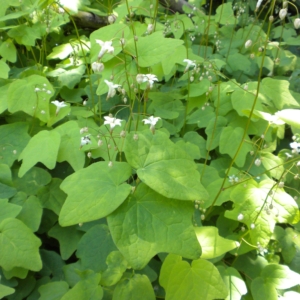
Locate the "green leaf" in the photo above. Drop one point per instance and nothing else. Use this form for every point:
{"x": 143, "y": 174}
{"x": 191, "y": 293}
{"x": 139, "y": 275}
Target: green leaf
{"x": 289, "y": 116}
{"x": 68, "y": 238}
{"x": 88, "y": 289}
{"x": 156, "y": 224}
{"x": 238, "y": 63}
{"x": 246, "y": 104}
{"x": 53, "y": 290}
{"x": 280, "y": 276}
{"x": 225, "y": 14}
{"x": 151, "y": 49}
{"x": 94, "y": 247}
{"x": 198, "y": 281}
{"x": 69, "y": 145}
{"x": 68, "y": 78}
{"x": 135, "y": 288}
{"x": 230, "y": 140}
{"x": 4, "y": 69}
{"x": 254, "y": 202}
{"x": 8, "y": 51}
{"x": 16, "y": 272}
{"x": 31, "y": 213}
{"x": 18, "y": 252}
{"x": 5, "y": 291}
{"x": 51, "y": 196}
{"x": 22, "y": 96}
{"x": 14, "y": 138}
{"x": 52, "y": 264}
{"x": 262, "y": 290}
{"x": 8, "y": 210}
{"x": 163, "y": 166}
{"x": 32, "y": 181}
{"x": 234, "y": 282}
{"x": 213, "y": 131}
{"x": 24, "y": 34}
{"x": 116, "y": 266}
{"x": 212, "y": 244}
{"x": 43, "y": 147}
{"x": 277, "y": 91}
{"x": 6, "y": 191}
{"x": 90, "y": 192}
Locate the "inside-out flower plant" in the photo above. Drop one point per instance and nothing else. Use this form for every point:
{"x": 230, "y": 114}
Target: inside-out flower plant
{"x": 149, "y": 150}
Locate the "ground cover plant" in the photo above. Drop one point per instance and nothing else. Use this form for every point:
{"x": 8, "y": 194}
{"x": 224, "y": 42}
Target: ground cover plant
{"x": 149, "y": 150}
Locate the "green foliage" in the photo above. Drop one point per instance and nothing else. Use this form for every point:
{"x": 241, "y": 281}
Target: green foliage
{"x": 154, "y": 157}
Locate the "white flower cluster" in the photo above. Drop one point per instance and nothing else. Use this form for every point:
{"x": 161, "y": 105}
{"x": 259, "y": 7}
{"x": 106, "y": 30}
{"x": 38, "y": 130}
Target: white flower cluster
{"x": 150, "y": 78}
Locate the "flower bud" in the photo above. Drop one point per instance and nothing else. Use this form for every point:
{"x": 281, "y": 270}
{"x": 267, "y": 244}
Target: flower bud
{"x": 285, "y": 4}
{"x": 97, "y": 67}
{"x": 150, "y": 28}
{"x": 297, "y": 23}
{"x": 111, "y": 19}
{"x": 257, "y": 162}
{"x": 282, "y": 13}
{"x": 248, "y": 44}
{"x": 271, "y": 19}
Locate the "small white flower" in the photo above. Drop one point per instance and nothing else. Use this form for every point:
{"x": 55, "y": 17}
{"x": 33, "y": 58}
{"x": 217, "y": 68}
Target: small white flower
{"x": 257, "y": 162}
{"x": 281, "y": 184}
{"x": 252, "y": 226}
{"x": 297, "y": 23}
{"x": 258, "y": 4}
{"x": 111, "y": 19}
{"x": 295, "y": 147}
{"x": 83, "y": 130}
{"x": 97, "y": 67}
{"x": 85, "y": 140}
{"x": 152, "y": 121}
{"x": 248, "y": 44}
{"x": 58, "y": 105}
{"x": 112, "y": 122}
{"x": 150, "y": 78}
{"x": 150, "y": 28}
{"x": 282, "y": 13}
{"x": 111, "y": 89}
{"x": 84, "y": 103}
{"x": 37, "y": 90}
{"x": 189, "y": 63}
{"x": 240, "y": 217}
{"x": 106, "y": 47}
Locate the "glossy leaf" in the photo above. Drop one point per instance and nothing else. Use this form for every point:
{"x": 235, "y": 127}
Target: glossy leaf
{"x": 179, "y": 280}
{"x": 31, "y": 95}
{"x": 43, "y": 147}
{"x": 212, "y": 244}
{"x": 234, "y": 282}
{"x": 134, "y": 288}
{"x": 68, "y": 238}
{"x": 163, "y": 166}
{"x": 154, "y": 227}
{"x": 152, "y": 49}
{"x": 94, "y": 248}
{"x": 91, "y": 190}
{"x": 253, "y": 202}
{"x": 18, "y": 252}
{"x": 14, "y": 138}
